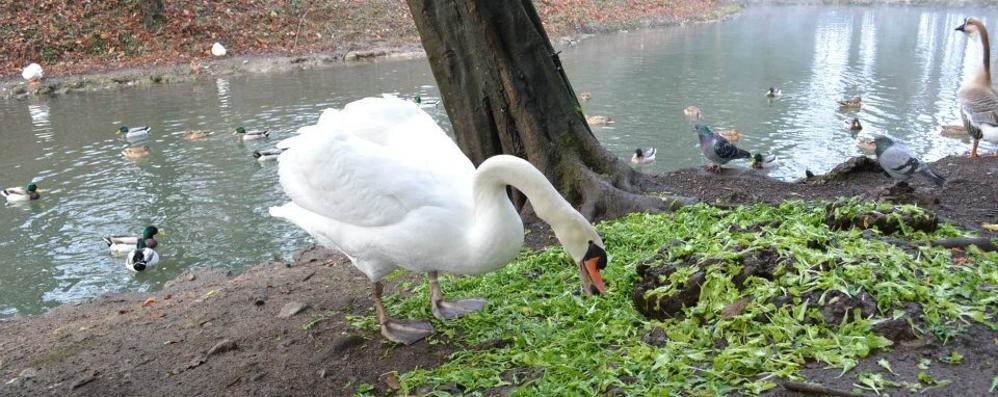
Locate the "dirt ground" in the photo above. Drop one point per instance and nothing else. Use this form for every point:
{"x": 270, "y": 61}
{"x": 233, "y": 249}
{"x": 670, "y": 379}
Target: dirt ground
{"x": 213, "y": 334}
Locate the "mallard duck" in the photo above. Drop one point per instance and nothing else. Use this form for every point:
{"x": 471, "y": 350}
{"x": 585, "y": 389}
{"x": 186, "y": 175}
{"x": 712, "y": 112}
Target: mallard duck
{"x": 268, "y": 154}
{"x": 854, "y": 124}
{"x": 643, "y": 156}
{"x": 978, "y": 98}
{"x": 692, "y": 112}
{"x": 854, "y": 103}
{"x": 124, "y": 244}
{"x": 953, "y": 130}
{"x": 386, "y": 186}
{"x": 759, "y": 161}
{"x": 141, "y": 258}
{"x": 732, "y": 135}
{"x": 424, "y": 103}
{"x": 191, "y": 135}
{"x": 774, "y": 92}
{"x": 19, "y": 194}
{"x": 717, "y": 149}
{"x": 134, "y": 132}
{"x": 136, "y": 152}
{"x": 598, "y": 120}
{"x": 585, "y": 95}
{"x": 218, "y": 50}
{"x": 32, "y": 73}
{"x": 251, "y": 135}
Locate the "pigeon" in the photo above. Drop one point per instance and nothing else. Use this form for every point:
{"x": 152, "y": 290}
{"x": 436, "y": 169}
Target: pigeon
{"x": 717, "y": 149}
{"x": 897, "y": 160}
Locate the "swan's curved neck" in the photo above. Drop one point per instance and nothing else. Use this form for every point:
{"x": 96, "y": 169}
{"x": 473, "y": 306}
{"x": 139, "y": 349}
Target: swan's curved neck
{"x": 497, "y": 224}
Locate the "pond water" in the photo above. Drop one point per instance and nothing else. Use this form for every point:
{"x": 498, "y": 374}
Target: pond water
{"x": 211, "y": 196}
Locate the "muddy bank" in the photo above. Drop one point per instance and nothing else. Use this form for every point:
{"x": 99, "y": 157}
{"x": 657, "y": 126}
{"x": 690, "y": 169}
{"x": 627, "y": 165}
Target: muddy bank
{"x": 285, "y": 328}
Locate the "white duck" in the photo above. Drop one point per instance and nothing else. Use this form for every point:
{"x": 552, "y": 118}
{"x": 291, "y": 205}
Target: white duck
{"x": 643, "y": 155}
{"x": 123, "y": 244}
{"x": 141, "y": 258}
{"x": 218, "y": 50}
{"x": 381, "y": 182}
{"x": 33, "y": 72}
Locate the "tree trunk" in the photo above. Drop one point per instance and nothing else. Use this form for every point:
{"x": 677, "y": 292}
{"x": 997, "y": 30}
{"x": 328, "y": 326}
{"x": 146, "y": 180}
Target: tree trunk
{"x": 152, "y": 11}
{"x": 505, "y": 91}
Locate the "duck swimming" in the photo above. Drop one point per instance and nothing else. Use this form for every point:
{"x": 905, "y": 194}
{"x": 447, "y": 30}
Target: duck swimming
{"x": 123, "y": 244}
{"x": 854, "y": 103}
{"x": 21, "y": 194}
{"x": 774, "y": 92}
{"x": 251, "y": 135}
{"x": 134, "y": 132}
{"x": 136, "y": 152}
{"x": 854, "y": 124}
{"x": 141, "y": 258}
{"x": 598, "y": 120}
{"x": 191, "y": 135}
{"x": 643, "y": 156}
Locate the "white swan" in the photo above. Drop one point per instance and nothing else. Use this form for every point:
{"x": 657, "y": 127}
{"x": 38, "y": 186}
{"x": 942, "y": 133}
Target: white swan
{"x": 381, "y": 182}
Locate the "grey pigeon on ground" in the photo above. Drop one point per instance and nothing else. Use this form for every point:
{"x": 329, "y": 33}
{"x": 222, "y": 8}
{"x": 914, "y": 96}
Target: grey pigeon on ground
{"x": 717, "y": 149}
{"x": 900, "y": 163}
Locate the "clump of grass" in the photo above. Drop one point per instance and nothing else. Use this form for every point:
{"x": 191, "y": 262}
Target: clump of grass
{"x": 575, "y": 345}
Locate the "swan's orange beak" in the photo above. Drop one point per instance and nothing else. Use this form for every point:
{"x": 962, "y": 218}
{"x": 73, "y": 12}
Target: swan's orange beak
{"x": 591, "y": 266}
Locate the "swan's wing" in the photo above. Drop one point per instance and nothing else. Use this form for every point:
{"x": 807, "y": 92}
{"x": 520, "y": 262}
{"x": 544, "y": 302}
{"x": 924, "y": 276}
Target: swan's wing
{"x": 377, "y": 164}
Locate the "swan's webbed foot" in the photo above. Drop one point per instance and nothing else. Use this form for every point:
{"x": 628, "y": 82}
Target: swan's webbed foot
{"x": 406, "y": 332}
{"x": 448, "y": 310}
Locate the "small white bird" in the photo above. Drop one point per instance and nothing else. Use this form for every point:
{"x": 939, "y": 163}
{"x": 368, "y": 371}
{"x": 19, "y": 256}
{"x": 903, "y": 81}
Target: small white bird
{"x": 643, "y": 155}
{"x": 32, "y": 72}
{"x": 217, "y": 49}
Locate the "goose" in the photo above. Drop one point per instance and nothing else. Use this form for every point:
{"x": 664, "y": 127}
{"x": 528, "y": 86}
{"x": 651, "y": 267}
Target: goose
{"x": 978, "y": 99}
{"x": 692, "y": 112}
{"x": 21, "y": 194}
{"x": 385, "y": 185}
{"x": 134, "y": 132}
{"x": 585, "y": 95}
{"x": 643, "y": 155}
{"x": 191, "y": 135}
{"x": 717, "y": 149}
{"x": 598, "y": 120}
{"x": 136, "y": 152}
{"x": 732, "y": 135}
{"x": 854, "y": 124}
{"x": 251, "y": 135}
{"x": 774, "y": 92}
{"x": 218, "y": 50}
{"x": 123, "y": 244}
{"x": 854, "y": 103}
{"x": 267, "y": 154}
{"x": 32, "y": 73}
{"x": 141, "y": 258}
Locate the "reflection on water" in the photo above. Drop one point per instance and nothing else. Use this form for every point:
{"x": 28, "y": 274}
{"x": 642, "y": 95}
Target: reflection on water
{"x": 212, "y": 197}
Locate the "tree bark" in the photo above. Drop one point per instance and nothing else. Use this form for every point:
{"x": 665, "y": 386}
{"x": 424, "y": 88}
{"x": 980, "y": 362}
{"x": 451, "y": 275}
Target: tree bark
{"x": 505, "y": 91}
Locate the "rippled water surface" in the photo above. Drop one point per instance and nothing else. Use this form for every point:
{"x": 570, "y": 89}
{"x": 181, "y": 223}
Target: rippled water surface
{"x": 211, "y": 196}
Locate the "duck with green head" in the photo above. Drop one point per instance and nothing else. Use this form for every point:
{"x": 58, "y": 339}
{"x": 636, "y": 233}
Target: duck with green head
{"x": 134, "y": 132}
{"x": 20, "y": 194}
{"x": 141, "y": 258}
{"x": 123, "y": 244}
{"x": 251, "y": 135}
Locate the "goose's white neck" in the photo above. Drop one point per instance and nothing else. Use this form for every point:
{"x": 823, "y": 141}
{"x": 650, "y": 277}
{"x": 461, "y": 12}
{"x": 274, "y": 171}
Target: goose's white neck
{"x": 497, "y": 233}
{"x": 983, "y": 74}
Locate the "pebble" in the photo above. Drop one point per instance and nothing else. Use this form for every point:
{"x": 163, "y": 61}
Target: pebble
{"x": 292, "y": 308}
